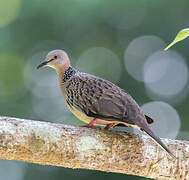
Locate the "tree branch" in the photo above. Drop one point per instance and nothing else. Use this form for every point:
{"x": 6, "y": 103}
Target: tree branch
{"x": 76, "y": 147}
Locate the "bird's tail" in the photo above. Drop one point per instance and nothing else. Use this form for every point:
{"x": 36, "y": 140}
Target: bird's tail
{"x": 157, "y": 140}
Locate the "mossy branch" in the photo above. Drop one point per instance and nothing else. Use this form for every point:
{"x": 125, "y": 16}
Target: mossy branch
{"x": 77, "y": 147}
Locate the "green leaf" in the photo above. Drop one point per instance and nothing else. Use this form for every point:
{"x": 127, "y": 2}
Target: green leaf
{"x": 184, "y": 33}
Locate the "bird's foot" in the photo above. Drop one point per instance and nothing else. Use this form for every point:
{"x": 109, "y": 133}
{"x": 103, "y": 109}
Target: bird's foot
{"x": 91, "y": 124}
{"x": 108, "y": 126}
{"x": 88, "y": 126}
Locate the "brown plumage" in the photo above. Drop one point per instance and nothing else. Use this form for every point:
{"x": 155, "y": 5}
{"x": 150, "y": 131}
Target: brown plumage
{"x": 97, "y": 101}
{"x": 99, "y": 98}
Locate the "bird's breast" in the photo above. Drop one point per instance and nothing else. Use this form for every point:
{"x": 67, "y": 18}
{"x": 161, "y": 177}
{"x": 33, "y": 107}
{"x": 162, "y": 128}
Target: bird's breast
{"x": 81, "y": 116}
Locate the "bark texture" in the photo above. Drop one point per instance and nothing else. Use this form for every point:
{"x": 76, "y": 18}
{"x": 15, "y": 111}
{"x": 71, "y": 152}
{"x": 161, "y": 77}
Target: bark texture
{"x": 78, "y": 147}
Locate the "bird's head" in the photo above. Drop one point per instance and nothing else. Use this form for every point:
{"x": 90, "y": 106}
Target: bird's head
{"x": 57, "y": 59}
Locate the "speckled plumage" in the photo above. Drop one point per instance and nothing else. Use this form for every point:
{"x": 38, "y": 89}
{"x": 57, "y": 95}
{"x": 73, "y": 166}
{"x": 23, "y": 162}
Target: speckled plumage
{"x": 68, "y": 73}
{"x": 99, "y": 98}
{"x": 97, "y": 101}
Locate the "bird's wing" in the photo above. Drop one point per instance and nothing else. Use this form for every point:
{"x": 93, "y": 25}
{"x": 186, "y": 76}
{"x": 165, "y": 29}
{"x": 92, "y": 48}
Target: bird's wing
{"x": 97, "y": 97}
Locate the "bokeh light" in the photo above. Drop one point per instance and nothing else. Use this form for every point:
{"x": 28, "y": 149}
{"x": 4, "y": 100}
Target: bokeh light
{"x": 9, "y": 11}
{"x": 165, "y": 74}
{"x": 166, "y": 119}
{"x": 46, "y": 86}
{"x": 53, "y": 109}
{"x": 31, "y": 74}
{"x": 101, "y": 62}
{"x": 137, "y": 53}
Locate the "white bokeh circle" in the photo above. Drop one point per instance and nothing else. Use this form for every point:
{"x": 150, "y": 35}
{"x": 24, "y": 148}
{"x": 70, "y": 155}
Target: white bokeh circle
{"x": 137, "y": 53}
{"x": 101, "y": 62}
{"x": 166, "y": 119}
{"x": 165, "y": 74}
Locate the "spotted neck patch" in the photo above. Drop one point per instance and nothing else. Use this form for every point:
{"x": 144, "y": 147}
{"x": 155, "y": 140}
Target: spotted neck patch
{"x": 68, "y": 74}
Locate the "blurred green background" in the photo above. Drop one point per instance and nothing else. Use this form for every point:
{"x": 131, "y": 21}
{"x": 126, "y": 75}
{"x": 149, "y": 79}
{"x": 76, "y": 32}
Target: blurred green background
{"x": 121, "y": 41}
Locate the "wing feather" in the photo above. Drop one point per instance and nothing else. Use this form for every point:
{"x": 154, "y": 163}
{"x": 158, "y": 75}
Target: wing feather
{"x": 97, "y": 97}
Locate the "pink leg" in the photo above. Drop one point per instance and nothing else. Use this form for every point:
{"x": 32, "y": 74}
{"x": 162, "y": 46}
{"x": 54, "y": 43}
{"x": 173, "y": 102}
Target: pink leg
{"x": 91, "y": 124}
{"x": 108, "y": 126}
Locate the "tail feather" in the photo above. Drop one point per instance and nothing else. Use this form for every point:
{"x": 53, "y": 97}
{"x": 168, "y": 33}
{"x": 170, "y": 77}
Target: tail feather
{"x": 157, "y": 140}
{"x": 149, "y": 119}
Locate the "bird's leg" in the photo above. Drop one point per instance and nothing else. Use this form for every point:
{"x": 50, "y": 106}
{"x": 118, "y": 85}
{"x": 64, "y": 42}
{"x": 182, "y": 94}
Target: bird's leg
{"x": 108, "y": 126}
{"x": 91, "y": 124}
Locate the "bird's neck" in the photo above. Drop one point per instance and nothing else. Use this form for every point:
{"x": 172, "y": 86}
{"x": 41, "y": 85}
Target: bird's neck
{"x": 66, "y": 74}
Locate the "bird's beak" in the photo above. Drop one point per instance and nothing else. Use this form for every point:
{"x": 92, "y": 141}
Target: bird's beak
{"x": 42, "y": 64}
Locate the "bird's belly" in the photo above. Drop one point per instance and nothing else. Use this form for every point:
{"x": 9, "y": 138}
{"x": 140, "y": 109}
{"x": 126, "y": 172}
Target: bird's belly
{"x": 81, "y": 116}
{"x": 99, "y": 122}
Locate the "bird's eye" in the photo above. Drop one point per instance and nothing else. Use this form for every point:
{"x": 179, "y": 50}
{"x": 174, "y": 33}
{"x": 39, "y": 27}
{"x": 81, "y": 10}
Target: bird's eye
{"x": 55, "y": 57}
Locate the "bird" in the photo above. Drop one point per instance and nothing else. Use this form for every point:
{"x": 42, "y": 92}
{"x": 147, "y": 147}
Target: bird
{"x": 97, "y": 101}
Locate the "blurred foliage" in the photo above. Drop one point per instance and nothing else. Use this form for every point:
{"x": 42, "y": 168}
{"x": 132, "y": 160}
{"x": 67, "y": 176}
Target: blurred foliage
{"x": 29, "y": 29}
{"x": 183, "y": 34}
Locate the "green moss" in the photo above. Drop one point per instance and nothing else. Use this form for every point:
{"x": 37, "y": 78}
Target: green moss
{"x": 36, "y": 144}
{"x": 1, "y": 140}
